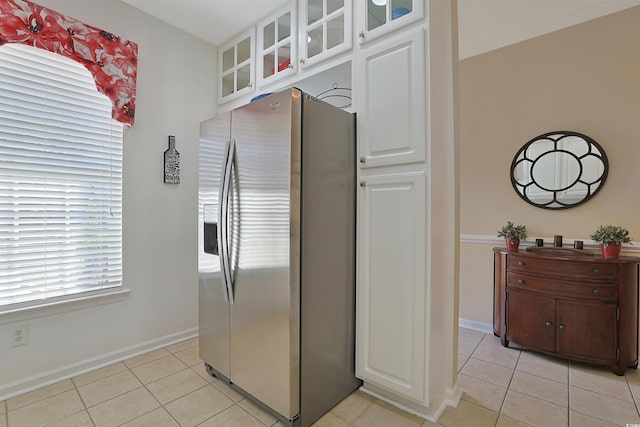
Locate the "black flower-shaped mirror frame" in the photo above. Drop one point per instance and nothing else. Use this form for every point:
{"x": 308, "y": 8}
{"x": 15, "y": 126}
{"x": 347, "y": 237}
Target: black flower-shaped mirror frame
{"x": 585, "y": 170}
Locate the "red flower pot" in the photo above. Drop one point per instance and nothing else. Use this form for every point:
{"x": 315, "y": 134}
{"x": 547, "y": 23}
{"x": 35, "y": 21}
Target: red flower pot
{"x": 512, "y": 244}
{"x": 610, "y": 251}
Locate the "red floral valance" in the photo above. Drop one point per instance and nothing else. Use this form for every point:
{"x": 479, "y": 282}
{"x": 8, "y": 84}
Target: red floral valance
{"x": 111, "y": 60}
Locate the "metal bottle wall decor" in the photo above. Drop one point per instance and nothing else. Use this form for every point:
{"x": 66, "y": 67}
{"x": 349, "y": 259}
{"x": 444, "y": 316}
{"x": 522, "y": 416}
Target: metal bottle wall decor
{"x": 172, "y": 163}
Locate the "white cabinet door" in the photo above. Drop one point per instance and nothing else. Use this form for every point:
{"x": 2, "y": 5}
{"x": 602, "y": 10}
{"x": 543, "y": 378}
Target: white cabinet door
{"x": 391, "y": 100}
{"x": 325, "y": 29}
{"x": 392, "y": 291}
{"x": 277, "y": 45}
{"x": 236, "y": 67}
{"x": 375, "y": 18}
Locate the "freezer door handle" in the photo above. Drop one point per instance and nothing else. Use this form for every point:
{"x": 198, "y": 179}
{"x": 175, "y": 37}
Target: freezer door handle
{"x": 223, "y": 226}
{"x": 229, "y": 223}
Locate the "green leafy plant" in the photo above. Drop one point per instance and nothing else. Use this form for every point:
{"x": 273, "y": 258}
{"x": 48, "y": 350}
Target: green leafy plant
{"x": 511, "y": 231}
{"x": 611, "y": 235}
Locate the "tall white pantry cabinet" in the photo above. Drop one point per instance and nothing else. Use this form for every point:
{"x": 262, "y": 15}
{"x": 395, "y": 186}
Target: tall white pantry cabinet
{"x": 404, "y": 89}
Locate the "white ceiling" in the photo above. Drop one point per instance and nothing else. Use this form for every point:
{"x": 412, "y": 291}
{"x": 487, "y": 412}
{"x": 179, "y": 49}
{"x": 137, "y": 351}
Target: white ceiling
{"x": 484, "y": 25}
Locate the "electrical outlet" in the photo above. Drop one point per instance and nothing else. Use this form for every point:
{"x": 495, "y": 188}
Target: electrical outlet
{"x": 18, "y": 334}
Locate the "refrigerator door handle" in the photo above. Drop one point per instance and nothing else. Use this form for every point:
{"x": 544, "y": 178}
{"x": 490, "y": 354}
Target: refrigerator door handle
{"x": 222, "y": 221}
{"x": 224, "y": 213}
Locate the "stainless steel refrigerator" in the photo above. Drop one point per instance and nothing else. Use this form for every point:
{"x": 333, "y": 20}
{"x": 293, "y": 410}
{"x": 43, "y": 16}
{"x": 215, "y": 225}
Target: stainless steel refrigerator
{"x": 277, "y": 253}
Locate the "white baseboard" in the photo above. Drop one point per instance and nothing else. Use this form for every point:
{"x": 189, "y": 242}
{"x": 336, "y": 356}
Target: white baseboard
{"x": 487, "y": 328}
{"x": 46, "y": 378}
{"x": 397, "y": 401}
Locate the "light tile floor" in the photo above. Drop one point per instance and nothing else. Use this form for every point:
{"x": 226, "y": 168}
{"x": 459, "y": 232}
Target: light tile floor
{"x": 169, "y": 387}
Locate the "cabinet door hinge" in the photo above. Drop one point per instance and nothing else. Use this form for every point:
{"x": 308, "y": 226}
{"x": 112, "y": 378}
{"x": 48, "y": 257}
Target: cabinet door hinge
{"x": 618, "y": 353}
{"x": 618, "y": 313}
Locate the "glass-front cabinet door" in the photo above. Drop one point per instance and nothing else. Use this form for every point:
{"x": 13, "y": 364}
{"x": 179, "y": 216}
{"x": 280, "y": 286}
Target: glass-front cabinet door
{"x": 327, "y": 29}
{"x": 378, "y": 17}
{"x": 236, "y": 67}
{"x": 277, "y": 47}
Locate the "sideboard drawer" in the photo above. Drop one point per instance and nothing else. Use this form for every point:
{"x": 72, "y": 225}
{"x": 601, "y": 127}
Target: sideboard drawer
{"x": 587, "y": 270}
{"x": 596, "y": 291}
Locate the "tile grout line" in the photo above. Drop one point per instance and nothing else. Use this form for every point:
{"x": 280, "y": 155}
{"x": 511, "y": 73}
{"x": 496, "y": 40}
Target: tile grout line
{"x": 633, "y": 397}
{"x": 142, "y": 385}
{"x": 84, "y": 404}
{"x": 149, "y": 391}
{"x": 509, "y": 385}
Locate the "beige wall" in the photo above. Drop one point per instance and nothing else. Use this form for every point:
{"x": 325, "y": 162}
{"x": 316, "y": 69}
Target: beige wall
{"x": 584, "y": 78}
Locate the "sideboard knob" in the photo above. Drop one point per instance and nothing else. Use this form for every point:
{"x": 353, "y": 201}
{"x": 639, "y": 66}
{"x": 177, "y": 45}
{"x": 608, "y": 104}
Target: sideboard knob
{"x": 520, "y": 263}
{"x": 596, "y": 271}
{"x": 520, "y": 281}
{"x": 596, "y": 291}
{"x": 548, "y": 324}
{"x": 561, "y": 327}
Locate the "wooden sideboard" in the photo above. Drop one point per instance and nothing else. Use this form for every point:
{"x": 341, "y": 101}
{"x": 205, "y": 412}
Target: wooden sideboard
{"x": 572, "y": 304}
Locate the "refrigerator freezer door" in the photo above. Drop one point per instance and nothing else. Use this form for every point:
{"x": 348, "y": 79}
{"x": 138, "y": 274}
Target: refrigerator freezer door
{"x": 213, "y": 305}
{"x": 265, "y": 314}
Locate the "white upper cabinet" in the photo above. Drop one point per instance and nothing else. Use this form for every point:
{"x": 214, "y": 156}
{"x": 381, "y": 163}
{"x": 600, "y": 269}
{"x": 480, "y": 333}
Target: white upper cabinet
{"x": 378, "y": 17}
{"x": 236, "y": 67}
{"x": 326, "y": 29}
{"x": 390, "y": 94}
{"x": 277, "y": 45}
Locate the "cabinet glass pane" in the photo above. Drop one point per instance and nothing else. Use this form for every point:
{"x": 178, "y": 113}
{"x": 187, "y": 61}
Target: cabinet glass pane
{"x": 269, "y": 35}
{"x": 268, "y": 62}
{"x": 227, "y": 85}
{"x": 244, "y": 76}
{"x": 314, "y": 11}
{"x": 335, "y": 32}
{"x": 314, "y": 42}
{"x": 376, "y": 14}
{"x": 228, "y": 60}
{"x": 244, "y": 50}
{"x": 400, "y": 8}
{"x": 284, "y": 57}
{"x": 284, "y": 26}
{"x": 333, "y": 5}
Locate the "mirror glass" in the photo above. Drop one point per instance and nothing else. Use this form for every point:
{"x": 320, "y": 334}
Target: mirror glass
{"x": 559, "y": 170}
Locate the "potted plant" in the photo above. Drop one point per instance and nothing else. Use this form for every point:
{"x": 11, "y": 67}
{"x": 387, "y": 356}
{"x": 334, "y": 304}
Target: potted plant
{"x": 611, "y": 238}
{"x": 512, "y": 235}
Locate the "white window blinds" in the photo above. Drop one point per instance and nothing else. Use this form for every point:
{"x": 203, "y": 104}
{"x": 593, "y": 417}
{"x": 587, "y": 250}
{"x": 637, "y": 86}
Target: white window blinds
{"x": 60, "y": 180}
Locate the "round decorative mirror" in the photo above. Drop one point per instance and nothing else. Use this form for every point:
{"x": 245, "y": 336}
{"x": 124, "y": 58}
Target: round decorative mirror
{"x": 559, "y": 170}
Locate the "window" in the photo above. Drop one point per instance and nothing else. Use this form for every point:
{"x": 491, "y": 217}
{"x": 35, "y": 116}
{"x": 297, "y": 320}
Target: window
{"x": 60, "y": 180}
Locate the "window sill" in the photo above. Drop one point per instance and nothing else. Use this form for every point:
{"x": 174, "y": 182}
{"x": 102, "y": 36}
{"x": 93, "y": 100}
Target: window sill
{"x": 75, "y": 302}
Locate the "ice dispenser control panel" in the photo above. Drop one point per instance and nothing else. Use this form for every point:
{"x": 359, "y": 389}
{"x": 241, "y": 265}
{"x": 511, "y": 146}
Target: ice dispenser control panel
{"x": 210, "y": 216}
